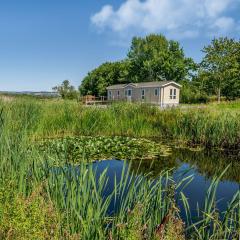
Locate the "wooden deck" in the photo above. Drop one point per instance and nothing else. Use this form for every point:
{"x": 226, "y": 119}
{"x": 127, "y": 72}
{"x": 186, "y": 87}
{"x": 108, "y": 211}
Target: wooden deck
{"x": 92, "y": 100}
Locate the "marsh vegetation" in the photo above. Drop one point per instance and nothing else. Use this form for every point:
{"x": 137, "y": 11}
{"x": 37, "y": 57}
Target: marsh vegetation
{"x": 51, "y": 190}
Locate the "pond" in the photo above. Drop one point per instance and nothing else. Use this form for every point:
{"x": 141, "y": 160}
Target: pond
{"x": 203, "y": 165}
{"x": 151, "y": 158}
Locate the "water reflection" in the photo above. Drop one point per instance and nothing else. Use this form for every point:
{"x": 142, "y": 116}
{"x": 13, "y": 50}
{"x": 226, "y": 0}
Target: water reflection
{"x": 203, "y": 165}
{"x": 206, "y": 163}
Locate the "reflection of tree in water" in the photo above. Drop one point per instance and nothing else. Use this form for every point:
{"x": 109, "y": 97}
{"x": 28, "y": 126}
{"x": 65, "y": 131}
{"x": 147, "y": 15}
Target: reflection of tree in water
{"x": 207, "y": 163}
{"x": 154, "y": 167}
{"x": 211, "y": 163}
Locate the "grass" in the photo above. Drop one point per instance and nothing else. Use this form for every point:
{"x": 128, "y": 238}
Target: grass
{"x": 68, "y": 202}
{"x": 209, "y": 127}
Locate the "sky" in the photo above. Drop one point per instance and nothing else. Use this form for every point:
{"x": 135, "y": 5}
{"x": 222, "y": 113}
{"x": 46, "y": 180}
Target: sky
{"x": 43, "y": 42}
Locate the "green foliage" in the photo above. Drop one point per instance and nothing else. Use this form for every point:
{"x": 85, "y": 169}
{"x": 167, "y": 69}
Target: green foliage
{"x": 220, "y": 67}
{"x": 136, "y": 226}
{"x": 133, "y": 229}
{"x": 66, "y": 91}
{"x": 96, "y": 81}
{"x": 208, "y": 126}
{"x": 27, "y": 218}
{"x": 154, "y": 58}
{"x": 74, "y": 149}
{"x": 190, "y": 93}
{"x": 76, "y": 193}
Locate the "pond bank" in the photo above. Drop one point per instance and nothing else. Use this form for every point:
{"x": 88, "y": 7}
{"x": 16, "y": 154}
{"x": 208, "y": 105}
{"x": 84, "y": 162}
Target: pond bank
{"x": 210, "y": 127}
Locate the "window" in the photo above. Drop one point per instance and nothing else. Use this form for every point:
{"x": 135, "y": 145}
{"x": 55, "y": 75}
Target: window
{"x": 110, "y": 94}
{"x": 156, "y": 91}
{"x": 173, "y": 93}
{"x": 118, "y": 93}
{"x": 143, "y": 94}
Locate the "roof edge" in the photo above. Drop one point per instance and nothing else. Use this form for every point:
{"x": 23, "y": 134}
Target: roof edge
{"x": 171, "y": 82}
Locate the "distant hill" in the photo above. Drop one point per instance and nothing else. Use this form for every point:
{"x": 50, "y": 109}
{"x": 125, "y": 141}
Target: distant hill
{"x": 30, "y": 93}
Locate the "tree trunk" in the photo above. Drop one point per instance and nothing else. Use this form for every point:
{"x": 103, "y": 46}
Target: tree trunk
{"x": 219, "y": 95}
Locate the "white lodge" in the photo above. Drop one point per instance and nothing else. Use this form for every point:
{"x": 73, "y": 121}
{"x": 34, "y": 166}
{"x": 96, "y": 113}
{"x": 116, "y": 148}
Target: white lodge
{"x": 163, "y": 93}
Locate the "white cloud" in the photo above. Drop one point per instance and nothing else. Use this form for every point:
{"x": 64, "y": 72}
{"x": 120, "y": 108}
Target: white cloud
{"x": 216, "y": 7}
{"x": 104, "y": 15}
{"x": 179, "y": 18}
{"x": 224, "y": 24}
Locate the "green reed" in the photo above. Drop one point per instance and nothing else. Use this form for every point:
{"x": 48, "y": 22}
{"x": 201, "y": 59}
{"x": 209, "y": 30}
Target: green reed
{"x": 210, "y": 127}
{"x": 72, "y": 198}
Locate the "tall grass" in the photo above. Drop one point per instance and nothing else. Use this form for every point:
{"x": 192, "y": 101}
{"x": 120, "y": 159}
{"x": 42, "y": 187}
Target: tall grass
{"x": 207, "y": 127}
{"x": 73, "y": 199}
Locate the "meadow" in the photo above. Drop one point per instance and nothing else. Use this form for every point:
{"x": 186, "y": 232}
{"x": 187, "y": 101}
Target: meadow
{"x": 44, "y": 194}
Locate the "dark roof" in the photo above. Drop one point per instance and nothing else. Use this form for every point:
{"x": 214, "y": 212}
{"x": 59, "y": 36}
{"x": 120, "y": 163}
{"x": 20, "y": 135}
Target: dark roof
{"x": 143, "y": 84}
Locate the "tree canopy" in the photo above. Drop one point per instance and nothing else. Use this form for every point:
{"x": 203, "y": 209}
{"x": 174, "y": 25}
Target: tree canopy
{"x": 219, "y": 71}
{"x": 96, "y": 81}
{"x": 152, "y": 58}
{"x": 155, "y": 58}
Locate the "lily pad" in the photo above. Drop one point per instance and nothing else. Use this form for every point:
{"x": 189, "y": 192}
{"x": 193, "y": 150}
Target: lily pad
{"x": 84, "y": 148}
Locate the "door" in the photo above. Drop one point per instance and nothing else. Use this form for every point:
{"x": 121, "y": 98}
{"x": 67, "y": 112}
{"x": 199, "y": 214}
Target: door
{"x": 129, "y": 95}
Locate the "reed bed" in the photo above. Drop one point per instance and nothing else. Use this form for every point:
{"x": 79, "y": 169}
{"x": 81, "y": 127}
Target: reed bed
{"x": 39, "y": 200}
{"x": 194, "y": 126}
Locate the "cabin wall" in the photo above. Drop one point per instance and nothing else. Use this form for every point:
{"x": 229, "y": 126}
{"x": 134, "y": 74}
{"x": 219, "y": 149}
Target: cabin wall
{"x": 116, "y": 94}
{"x": 167, "y": 99}
{"x": 162, "y": 97}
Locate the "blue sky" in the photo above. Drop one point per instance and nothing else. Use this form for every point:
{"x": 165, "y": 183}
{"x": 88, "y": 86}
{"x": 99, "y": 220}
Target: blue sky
{"x": 43, "y": 42}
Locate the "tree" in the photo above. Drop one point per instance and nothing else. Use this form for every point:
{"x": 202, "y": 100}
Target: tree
{"x": 66, "y": 90}
{"x": 109, "y": 73}
{"x": 220, "y": 68}
{"x": 154, "y": 58}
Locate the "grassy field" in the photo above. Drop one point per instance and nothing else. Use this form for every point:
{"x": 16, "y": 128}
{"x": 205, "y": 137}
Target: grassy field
{"x": 40, "y": 199}
{"x": 208, "y": 125}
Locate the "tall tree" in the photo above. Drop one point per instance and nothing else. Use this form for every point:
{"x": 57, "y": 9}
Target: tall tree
{"x": 220, "y": 67}
{"x": 66, "y": 90}
{"x": 154, "y": 58}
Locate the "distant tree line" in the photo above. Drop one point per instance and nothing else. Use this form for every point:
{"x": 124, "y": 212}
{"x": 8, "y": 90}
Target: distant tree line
{"x": 155, "y": 58}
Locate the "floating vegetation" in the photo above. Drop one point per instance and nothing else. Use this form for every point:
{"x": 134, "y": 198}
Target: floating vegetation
{"x": 84, "y": 148}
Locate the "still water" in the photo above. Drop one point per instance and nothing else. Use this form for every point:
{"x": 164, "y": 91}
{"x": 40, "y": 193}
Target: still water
{"x": 203, "y": 165}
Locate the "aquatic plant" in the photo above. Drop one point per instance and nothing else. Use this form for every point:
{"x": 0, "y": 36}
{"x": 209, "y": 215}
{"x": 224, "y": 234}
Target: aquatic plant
{"x": 75, "y": 149}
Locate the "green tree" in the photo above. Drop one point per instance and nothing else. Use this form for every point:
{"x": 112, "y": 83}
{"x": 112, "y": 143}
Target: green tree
{"x": 66, "y": 90}
{"x": 152, "y": 58}
{"x": 109, "y": 73}
{"x": 220, "y": 68}
{"x": 155, "y": 58}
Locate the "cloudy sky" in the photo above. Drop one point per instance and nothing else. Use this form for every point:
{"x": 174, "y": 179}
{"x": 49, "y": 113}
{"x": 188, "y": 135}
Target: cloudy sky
{"x": 43, "y": 42}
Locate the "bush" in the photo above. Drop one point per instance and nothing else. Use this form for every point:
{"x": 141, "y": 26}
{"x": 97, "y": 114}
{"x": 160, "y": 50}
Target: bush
{"x": 191, "y": 94}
